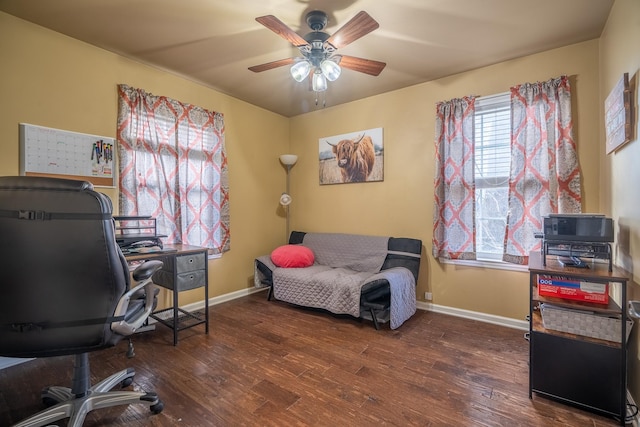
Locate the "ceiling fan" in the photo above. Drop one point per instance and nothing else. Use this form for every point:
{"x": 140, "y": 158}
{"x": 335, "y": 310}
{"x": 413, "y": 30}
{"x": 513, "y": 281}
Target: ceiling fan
{"x": 318, "y": 48}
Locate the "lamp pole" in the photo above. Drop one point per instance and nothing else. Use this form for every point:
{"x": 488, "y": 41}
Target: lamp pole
{"x": 288, "y": 160}
{"x": 287, "y": 207}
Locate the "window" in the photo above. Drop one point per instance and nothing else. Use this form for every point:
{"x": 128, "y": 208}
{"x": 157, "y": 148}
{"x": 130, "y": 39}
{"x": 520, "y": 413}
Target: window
{"x": 492, "y": 138}
{"x": 173, "y": 167}
{"x": 502, "y": 163}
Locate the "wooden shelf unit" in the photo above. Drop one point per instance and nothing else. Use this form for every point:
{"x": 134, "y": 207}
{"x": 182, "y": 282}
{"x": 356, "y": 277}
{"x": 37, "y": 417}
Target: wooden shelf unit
{"x": 586, "y": 372}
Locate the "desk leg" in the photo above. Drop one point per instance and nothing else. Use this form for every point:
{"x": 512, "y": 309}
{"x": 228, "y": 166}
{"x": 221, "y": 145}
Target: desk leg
{"x": 206, "y": 306}
{"x": 175, "y": 315}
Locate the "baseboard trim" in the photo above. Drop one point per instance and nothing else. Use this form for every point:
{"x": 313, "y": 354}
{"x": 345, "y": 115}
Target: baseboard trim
{"x": 223, "y": 298}
{"x": 199, "y": 305}
{"x": 474, "y": 315}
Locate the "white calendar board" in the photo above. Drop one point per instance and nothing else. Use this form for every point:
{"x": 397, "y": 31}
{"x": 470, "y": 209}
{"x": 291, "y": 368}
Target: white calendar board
{"x": 64, "y": 154}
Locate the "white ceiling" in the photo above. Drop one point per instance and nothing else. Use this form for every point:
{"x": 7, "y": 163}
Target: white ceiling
{"x": 214, "y": 41}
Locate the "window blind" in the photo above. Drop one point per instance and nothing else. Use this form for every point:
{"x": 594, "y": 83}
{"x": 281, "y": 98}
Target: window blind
{"x": 492, "y": 141}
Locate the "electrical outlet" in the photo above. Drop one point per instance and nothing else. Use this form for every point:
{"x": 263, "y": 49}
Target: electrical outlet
{"x": 428, "y": 296}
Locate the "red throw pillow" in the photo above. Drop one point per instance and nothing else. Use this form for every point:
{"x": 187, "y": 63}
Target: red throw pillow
{"x": 292, "y": 256}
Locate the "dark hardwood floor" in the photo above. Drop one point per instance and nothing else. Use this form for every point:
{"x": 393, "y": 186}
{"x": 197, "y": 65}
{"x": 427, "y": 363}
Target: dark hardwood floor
{"x": 270, "y": 364}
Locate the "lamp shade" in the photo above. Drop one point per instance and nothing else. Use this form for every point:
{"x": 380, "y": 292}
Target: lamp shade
{"x": 288, "y": 159}
{"x": 330, "y": 69}
{"x": 319, "y": 82}
{"x": 285, "y": 199}
{"x": 300, "y": 70}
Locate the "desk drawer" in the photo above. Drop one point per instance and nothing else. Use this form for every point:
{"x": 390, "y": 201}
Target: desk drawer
{"x": 186, "y": 263}
{"x": 184, "y": 281}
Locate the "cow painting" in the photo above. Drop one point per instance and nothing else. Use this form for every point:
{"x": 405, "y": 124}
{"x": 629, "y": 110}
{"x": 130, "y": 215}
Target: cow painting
{"x": 355, "y": 158}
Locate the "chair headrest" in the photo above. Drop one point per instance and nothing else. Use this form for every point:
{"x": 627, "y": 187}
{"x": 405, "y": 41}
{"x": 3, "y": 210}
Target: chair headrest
{"x": 43, "y": 183}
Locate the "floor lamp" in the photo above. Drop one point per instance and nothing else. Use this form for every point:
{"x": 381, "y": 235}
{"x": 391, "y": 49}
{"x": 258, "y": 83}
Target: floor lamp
{"x": 288, "y": 160}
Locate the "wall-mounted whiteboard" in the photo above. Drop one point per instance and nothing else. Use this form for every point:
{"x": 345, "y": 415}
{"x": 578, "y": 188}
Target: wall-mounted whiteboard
{"x": 64, "y": 154}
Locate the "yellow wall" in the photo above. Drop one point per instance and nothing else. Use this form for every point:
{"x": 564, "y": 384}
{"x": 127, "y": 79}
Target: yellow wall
{"x": 402, "y": 205}
{"x": 620, "y": 184}
{"x": 52, "y": 80}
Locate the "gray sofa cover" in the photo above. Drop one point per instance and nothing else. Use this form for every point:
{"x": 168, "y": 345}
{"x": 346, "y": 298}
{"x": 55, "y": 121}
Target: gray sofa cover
{"x": 370, "y": 277}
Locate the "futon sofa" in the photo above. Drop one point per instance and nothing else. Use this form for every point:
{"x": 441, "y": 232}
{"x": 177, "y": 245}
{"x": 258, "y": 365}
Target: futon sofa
{"x": 368, "y": 277}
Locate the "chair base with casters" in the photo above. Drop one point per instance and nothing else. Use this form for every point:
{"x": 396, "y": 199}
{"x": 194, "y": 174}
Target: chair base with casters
{"x": 75, "y": 403}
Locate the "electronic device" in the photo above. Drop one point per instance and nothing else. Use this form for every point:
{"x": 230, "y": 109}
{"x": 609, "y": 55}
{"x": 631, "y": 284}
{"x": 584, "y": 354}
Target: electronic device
{"x": 572, "y": 237}
{"x": 578, "y": 228}
{"x": 572, "y": 261}
{"x": 578, "y": 249}
{"x": 135, "y": 234}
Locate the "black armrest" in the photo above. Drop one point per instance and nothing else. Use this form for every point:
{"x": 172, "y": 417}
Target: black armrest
{"x": 375, "y": 289}
{"x": 266, "y": 272}
{"x": 146, "y": 269}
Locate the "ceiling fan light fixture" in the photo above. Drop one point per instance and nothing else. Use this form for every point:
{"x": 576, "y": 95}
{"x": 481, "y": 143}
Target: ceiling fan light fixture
{"x": 319, "y": 82}
{"x": 330, "y": 69}
{"x": 318, "y": 59}
{"x": 300, "y": 70}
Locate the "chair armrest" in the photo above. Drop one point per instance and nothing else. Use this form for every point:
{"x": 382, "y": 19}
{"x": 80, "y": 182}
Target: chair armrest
{"x": 142, "y": 275}
{"x": 145, "y": 270}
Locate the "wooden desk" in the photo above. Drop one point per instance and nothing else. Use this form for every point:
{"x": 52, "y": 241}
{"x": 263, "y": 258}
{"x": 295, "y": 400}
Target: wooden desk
{"x": 185, "y": 268}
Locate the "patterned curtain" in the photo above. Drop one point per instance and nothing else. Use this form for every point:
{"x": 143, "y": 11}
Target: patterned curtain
{"x": 173, "y": 167}
{"x": 454, "y": 201}
{"x": 545, "y": 175}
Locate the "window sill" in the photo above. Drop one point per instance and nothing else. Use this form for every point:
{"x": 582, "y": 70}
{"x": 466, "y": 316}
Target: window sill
{"x": 485, "y": 263}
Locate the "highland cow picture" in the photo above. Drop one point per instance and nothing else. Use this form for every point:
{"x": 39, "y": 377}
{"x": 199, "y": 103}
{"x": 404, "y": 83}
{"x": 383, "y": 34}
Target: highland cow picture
{"x": 352, "y": 157}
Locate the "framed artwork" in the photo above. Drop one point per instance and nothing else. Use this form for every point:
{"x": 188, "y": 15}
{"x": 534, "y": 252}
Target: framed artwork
{"x": 351, "y": 157}
{"x": 617, "y": 115}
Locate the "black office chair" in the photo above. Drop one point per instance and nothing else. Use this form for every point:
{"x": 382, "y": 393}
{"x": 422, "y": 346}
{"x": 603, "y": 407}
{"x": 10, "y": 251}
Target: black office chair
{"x": 65, "y": 290}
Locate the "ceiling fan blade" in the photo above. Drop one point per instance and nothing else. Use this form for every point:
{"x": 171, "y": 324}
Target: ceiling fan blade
{"x": 271, "y": 65}
{"x": 281, "y": 29}
{"x": 367, "y": 66}
{"x": 360, "y": 25}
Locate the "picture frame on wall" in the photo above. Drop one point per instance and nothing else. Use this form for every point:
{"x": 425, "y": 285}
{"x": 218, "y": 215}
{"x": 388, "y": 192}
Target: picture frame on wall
{"x": 617, "y": 115}
{"x": 352, "y": 157}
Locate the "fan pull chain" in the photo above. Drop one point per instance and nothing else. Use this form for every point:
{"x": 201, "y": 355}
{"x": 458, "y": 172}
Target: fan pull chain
{"x": 324, "y": 100}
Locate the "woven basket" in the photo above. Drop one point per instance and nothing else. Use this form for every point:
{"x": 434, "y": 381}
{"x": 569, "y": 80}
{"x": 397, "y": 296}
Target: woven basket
{"x": 583, "y": 323}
